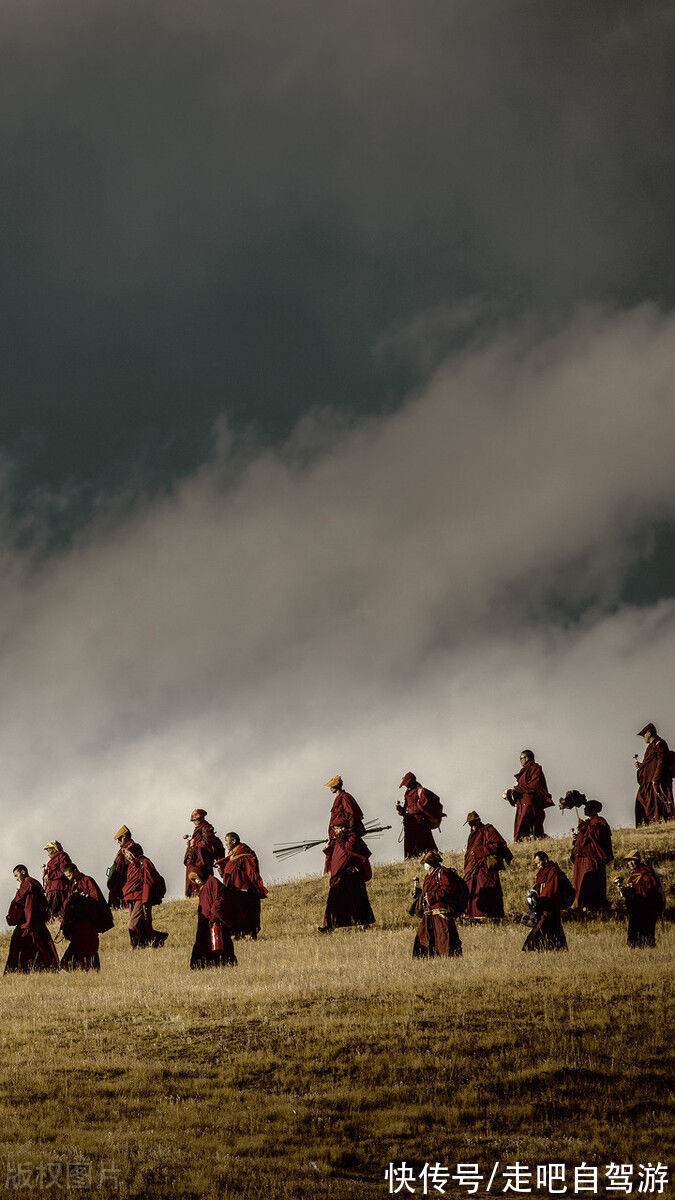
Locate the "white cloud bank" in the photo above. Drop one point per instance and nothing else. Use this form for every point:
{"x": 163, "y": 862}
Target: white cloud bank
{"x": 370, "y": 601}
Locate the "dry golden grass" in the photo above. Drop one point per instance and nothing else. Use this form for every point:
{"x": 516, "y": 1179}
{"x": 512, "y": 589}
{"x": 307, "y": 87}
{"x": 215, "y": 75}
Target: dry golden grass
{"x": 303, "y": 1072}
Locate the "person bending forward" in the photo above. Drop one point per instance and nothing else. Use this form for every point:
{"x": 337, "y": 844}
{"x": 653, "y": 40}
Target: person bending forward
{"x": 31, "y": 947}
{"x": 442, "y": 897}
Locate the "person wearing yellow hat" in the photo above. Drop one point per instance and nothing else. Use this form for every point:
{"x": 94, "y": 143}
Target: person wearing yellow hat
{"x": 345, "y": 813}
{"x": 203, "y": 848}
{"x": 422, "y": 812}
{"x": 442, "y": 897}
{"x": 56, "y": 886}
{"x": 654, "y": 800}
{"x": 346, "y": 862}
{"x": 644, "y": 901}
{"x": 485, "y": 855}
{"x": 116, "y": 874}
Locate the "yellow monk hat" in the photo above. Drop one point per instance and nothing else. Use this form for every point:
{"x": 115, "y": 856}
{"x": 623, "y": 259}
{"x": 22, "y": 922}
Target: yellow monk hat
{"x": 634, "y": 854}
{"x": 336, "y": 781}
{"x": 123, "y": 829}
{"x": 472, "y": 816}
{"x": 53, "y": 845}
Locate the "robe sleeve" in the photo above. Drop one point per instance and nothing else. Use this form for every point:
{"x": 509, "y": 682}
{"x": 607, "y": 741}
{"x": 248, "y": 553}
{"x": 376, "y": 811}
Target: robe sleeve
{"x": 29, "y": 909}
{"x": 147, "y": 881}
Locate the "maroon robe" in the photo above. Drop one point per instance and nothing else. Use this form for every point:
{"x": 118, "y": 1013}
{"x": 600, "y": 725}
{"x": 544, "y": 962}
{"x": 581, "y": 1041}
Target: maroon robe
{"x": 55, "y": 884}
{"x": 443, "y": 897}
{"x": 485, "y": 889}
{"x": 555, "y": 892}
{"x": 420, "y": 812}
{"x": 347, "y": 813}
{"x": 591, "y": 851}
{"x": 137, "y": 895}
{"x": 654, "y": 800}
{"x": 241, "y": 872}
{"x": 347, "y": 863}
{"x": 644, "y": 904}
{"x": 532, "y": 798}
{"x": 118, "y": 873}
{"x": 218, "y": 906}
{"x": 203, "y": 848}
{"x": 31, "y": 947}
{"x": 87, "y": 914}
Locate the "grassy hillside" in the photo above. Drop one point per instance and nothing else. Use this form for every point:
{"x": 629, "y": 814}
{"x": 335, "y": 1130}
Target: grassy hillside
{"x": 304, "y": 1071}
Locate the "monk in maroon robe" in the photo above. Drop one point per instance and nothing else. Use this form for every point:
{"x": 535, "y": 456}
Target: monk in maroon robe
{"x": 442, "y": 897}
{"x": 203, "y": 848}
{"x": 422, "y": 812}
{"x": 54, "y": 882}
{"x": 117, "y": 873}
{"x": 87, "y": 914}
{"x": 654, "y": 800}
{"x": 553, "y": 892}
{"x": 644, "y": 901}
{"x": 137, "y": 893}
{"x": 347, "y": 864}
{"x": 530, "y": 798}
{"x": 240, "y": 870}
{"x": 219, "y": 912}
{"x": 31, "y": 947}
{"x": 485, "y": 856}
{"x": 591, "y": 851}
{"x": 345, "y": 812}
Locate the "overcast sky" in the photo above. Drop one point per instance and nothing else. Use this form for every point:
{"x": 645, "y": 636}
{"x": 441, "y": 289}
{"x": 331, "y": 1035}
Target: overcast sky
{"x": 337, "y": 430}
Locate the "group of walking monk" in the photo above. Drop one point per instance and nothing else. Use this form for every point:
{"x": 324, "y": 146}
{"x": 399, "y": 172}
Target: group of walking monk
{"x": 229, "y": 907}
{"x": 477, "y": 894}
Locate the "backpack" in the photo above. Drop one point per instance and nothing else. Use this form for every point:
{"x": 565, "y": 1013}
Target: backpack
{"x": 566, "y": 892}
{"x": 460, "y": 898}
{"x": 104, "y": 920}
{"x": 433, "y": 808}
{"x": 157, "y": 884}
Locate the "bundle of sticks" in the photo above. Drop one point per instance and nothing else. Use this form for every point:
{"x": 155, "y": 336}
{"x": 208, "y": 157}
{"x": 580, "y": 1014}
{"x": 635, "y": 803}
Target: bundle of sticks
{"x": 288, "y": 849}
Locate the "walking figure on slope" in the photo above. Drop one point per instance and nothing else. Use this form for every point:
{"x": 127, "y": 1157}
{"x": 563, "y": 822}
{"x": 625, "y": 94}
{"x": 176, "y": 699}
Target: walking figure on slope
{"x": 203, "y": 848}
{"x": 530, "y": 798}
{"x": 347, "y": 863}
{"x": 422, "y": 812}
{"x": 31, "y": 947}
{"x": 644, "y": 901}
{"x": 552, "y": 892}
{"x": 485, "y": 856}
{"x": 654, "y": 800}
{"x": 442, "y": 897}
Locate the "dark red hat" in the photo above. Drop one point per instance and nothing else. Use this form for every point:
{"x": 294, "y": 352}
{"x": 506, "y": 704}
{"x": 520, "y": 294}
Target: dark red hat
{"x": 408, "y": 778}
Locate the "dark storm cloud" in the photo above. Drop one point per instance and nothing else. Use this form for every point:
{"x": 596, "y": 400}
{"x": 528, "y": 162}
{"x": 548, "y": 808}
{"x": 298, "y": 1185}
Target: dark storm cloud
{"x": 338, "y": 373}
{"x": 215, "y": 207}
{"x": 350, "y": 606}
